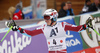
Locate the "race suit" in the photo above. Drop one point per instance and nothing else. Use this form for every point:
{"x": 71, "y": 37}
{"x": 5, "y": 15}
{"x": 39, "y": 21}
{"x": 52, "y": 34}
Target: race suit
{"x": 54, "y": 32}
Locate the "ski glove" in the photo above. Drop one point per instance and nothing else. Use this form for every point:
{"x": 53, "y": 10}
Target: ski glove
{"x": 12, "y": 23}
{"x": 90, "y": 23}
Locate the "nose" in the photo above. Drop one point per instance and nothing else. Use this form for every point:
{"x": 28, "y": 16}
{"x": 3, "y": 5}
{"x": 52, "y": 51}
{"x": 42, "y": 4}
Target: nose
{"x": 46, "y": 20}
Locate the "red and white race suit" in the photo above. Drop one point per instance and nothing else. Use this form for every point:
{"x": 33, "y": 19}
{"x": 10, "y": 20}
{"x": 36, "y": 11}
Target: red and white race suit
{"x": 56, "y": 30}
{"x": 55, "y": 33}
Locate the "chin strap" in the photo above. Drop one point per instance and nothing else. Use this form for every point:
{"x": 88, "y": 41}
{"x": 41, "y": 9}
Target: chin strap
{"x": 51, "y": 23}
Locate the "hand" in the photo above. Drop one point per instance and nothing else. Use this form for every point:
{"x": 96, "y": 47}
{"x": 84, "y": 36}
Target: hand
{"x": 12, "y": 23}
{"x": 9, "y": 24}
{"x": 90, "y": 23}
{"x": 15, "y": 28}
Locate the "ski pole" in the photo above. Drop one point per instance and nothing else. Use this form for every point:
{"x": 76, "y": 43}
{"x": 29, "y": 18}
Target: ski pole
{"x": 6, "y": 33}
{"x": 96, "y": 32}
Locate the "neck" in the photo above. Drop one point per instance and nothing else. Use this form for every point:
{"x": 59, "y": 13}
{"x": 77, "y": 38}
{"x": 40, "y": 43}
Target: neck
{"x": 54, "y": 23}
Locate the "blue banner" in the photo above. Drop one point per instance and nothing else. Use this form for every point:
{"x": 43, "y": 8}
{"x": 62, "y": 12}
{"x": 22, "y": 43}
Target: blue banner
{"x": 73, "y": 39}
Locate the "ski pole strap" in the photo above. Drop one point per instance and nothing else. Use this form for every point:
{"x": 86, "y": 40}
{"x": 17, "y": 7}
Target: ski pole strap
{"x": 6, "y": 33}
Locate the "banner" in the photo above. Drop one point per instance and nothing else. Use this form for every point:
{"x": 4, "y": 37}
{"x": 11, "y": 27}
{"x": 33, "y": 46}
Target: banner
{"x": 16, "y": 42}
{"x": 89, "y": 38}
{"x": 27, "y": 11}
{"x": 90, "y": 50}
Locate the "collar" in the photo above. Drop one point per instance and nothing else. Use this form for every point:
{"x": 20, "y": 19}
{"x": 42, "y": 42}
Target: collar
{"x": 53, "y": 25}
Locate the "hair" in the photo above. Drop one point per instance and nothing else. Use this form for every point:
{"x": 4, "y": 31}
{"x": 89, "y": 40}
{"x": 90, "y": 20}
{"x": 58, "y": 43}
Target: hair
{"x": 63, "y": 4}
{"x": 11, "y": 11}
{"x": 87, "y": 1}
{"x": 18, "y": 6}
{"x": 68, "y": 2}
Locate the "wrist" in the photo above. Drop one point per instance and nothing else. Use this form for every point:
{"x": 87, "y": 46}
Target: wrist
{"x": 21, "y": 30}
{"x": 85, "y": 26}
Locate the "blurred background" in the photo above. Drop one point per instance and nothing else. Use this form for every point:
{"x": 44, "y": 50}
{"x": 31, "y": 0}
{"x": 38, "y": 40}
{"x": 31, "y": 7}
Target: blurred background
{"x": 34, "y": 8}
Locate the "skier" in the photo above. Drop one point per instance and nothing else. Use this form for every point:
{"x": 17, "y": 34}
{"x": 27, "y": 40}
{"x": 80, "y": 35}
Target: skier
{"x": 52, "y": 28}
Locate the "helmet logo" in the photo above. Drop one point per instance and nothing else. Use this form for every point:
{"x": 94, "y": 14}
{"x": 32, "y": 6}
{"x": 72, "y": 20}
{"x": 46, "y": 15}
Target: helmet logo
{"x": 53, "y": 13}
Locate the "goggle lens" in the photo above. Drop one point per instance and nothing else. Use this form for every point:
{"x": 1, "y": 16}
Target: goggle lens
{"x": 46, "y": 17}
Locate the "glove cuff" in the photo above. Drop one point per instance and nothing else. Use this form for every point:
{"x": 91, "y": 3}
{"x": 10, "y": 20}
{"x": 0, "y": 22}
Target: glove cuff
{"x": 84, "y": 26}
{"x": 15, "y": 28}
{"x": 21, "y": 30}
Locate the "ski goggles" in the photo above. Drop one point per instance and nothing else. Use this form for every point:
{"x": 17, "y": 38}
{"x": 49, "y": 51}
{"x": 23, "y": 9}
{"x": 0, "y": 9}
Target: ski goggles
{"x": 47, "y": 17}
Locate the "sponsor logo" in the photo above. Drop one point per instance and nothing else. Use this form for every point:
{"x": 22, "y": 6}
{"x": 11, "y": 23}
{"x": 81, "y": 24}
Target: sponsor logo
{"x": 72, "y": 42}
{"x": 83, "y": 52}
{"x": 97, "y": 50}
{"x": 15, "y": 44}
{"x": 89, "y": 36}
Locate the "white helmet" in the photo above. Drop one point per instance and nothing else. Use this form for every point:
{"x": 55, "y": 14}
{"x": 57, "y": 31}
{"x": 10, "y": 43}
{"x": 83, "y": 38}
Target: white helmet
{"x": 51, "y": 14}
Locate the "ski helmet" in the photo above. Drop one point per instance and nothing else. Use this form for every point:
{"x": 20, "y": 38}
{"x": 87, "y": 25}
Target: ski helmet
{"x": 51, "y": 14}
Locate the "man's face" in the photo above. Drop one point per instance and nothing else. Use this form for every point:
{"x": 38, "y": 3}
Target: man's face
{"x": 96, "y": 2}
{"x": 88, "y": 3}
{"x": 69, "y": 6}
{"x": 48, "y": 21}
{"x": 66, "y": 6}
